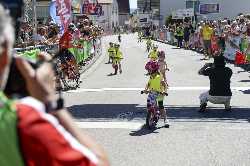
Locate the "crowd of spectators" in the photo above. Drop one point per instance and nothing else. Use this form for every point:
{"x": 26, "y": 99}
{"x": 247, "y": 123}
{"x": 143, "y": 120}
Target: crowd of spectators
{"x": 49, "y": 33}
{"x": 212, "y": 37}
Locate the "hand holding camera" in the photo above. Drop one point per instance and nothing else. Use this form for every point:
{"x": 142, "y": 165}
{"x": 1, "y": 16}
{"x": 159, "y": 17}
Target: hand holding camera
{"x": 40, "y": 81}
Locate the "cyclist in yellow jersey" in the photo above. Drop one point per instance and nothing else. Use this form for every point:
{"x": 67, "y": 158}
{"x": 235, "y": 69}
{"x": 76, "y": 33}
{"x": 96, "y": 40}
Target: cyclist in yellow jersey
{"x": 117, "y": 59}
{"x": 111, "y": 51}
{"x": 156, "y": 84}
{"x": 149, "y": 44}
{"x": 153, "y": 55}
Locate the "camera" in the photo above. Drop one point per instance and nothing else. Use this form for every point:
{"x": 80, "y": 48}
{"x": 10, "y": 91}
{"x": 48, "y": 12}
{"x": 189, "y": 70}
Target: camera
{"x": 16, "y": 84}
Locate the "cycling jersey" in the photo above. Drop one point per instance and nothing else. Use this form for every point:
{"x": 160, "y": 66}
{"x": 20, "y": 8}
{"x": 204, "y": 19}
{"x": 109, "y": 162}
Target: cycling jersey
{"x": 155, "y": 85}
{"x": 149, "y": 42}
{"x": 111, "y": 51}
{"x": 153, "y": 55}
{"x": 66, "y": 40}
{"x": 117, "y": 57}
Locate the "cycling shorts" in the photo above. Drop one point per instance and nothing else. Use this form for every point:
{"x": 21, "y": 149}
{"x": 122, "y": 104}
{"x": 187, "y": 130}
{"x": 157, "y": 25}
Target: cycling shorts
{"x": 65, "y": 56}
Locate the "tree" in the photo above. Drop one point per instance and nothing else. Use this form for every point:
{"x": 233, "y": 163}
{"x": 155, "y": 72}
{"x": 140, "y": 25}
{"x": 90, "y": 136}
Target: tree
{"x": 168, "y": 20}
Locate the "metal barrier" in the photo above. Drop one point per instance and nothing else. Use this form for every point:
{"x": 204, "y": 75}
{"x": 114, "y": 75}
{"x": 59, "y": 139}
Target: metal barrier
{"x": 89, "y": 48}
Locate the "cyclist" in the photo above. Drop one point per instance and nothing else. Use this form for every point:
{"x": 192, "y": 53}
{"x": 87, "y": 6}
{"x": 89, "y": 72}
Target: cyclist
{"x": 116, "y": 64}
{"x": 111, "y": 51}
{"x": 149, "y": 44}
{"x": 119, "y": 38}
{"x": 66, "y": 42}
{"x": 156, "y": 85}
{"x": 153, "y": 55}
{"x": 139, "y": 37}
{"x": 163, "y": 67}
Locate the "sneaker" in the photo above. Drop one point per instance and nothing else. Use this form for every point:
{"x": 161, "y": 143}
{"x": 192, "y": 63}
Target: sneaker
{"x": 203, "y": 107}
{"x": 166, "y": 123}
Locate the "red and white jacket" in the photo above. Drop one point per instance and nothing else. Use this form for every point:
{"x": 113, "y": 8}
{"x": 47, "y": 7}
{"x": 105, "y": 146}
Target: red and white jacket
{"x": 44, "y": 142}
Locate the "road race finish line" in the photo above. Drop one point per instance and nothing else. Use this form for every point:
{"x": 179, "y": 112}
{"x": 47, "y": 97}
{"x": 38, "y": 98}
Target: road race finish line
{"x": 110, "y": 125}
{"x": 140, "y": 89}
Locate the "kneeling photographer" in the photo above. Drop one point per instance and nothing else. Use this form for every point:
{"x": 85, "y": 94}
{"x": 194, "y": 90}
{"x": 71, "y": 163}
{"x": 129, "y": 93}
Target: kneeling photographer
{"x": 220, "y": 90}
{"x": 36, "y": 129}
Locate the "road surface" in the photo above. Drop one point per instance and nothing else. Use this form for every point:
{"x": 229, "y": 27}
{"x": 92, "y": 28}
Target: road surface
{"x": 111, "y": 109}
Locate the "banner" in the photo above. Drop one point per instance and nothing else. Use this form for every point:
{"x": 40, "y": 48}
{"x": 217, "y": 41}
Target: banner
{"x": 76, "y": 6}
{"x": 209, "y": 8}
{"x": 64, "y": 11}
{"x": 182, "y": 13}
{"x": 92, "y": 8}
{"x": 53, "y": 14}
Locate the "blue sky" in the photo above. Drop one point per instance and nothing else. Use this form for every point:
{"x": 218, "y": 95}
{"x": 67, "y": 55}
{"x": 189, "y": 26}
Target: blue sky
{"x": 133, "y": 4}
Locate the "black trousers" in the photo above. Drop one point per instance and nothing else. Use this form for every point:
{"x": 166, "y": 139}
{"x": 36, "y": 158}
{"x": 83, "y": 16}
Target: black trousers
{"x": 179, "y": 41}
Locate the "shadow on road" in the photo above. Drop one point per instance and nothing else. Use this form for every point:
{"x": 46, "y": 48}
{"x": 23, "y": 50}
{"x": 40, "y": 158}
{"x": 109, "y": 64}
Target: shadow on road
{"x": 129, "y": 112}
{"x": 144, "y": 131}
{"x": 244, "y": 81}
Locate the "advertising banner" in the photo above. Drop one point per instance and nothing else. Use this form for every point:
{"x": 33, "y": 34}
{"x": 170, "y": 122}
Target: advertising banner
{"x": 182, "y": 13}
{"x": 89, "y": 8}
{"x": 76, "y": 6}
{"x": 64, "y": 11}
{"x": 209, "y": 8}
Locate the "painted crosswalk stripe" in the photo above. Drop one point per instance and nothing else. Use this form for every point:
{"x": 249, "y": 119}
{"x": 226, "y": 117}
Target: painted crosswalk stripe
{"x": 110, "y": 125}
{"x": 198, "y": 88}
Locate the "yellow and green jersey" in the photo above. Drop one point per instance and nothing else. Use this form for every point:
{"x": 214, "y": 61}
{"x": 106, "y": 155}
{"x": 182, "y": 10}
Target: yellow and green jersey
{"x": 117, "y": 57}
{"x": 153, "y": 55}
{"x": 111, "y": 51}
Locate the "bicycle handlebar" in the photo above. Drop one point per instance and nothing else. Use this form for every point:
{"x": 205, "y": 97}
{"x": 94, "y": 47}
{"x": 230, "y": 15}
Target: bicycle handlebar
{"x": 161, "y": 93}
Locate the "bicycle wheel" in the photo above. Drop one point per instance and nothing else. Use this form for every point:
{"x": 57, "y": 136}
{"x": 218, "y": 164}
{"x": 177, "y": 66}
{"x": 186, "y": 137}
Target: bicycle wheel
{"x": 71, "y": 79}
{"x": 150, "y": 120}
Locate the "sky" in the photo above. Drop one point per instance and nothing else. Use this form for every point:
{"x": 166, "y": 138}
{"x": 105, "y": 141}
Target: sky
{"x": 133, "y": 4}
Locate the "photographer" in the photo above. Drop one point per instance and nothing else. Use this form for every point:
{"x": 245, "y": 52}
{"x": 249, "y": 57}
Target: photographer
{"x": 37, "y": 130}
{"x": 219, "y": 76}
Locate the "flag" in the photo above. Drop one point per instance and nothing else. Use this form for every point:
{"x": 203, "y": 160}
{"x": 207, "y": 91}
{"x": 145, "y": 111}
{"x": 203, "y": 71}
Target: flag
{"x": 64, "y": 11}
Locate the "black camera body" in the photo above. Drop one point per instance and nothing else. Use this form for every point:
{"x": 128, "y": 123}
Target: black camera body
{"x": 16, "y": 85}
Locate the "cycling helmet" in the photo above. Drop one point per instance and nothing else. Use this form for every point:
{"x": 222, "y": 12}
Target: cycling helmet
{"x": 72, "y": 27}
{"x": 152, "y": 66}
{"x": 110, "y": 43}
{"x": 117, "y": 45}
{"x": 161, "y": 54}
{"x": 155, "y": 46}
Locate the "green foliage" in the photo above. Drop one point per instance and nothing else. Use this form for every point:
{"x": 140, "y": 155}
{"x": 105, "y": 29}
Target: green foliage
{"x": 168, "y": 20}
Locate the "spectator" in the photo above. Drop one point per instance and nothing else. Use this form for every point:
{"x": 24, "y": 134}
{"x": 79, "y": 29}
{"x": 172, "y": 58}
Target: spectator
{"x": 179, "y": 33}
{"x": 220, "y": 91}
{"x": 207, "y": 33}
{"x": 37, "y": 126}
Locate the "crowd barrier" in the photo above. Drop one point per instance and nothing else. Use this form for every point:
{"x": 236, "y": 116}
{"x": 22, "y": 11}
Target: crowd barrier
{"x": 87, "y": 48}
{"x": 233, "y": 56}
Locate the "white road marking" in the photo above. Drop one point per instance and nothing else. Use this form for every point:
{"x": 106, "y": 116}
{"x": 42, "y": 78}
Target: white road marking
{"x": 110, "y": 125}
{"x": 198, "y": 88}
{"x": 176, "y": 125}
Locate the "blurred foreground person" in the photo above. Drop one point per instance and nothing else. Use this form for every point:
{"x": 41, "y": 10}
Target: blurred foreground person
{"x": 36, "y": 130}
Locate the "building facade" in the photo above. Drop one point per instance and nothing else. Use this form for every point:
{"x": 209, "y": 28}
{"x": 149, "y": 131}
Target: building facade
{"x": 147, "y": 6}
{"x": 228, "y": 8}
{"x": 107, "y": 20}
{"x": 124, "y": 11}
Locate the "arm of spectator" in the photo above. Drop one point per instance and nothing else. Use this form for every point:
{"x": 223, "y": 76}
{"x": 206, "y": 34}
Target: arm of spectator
{"x": 40, "y": 85}
{"x": 205, "y": 70}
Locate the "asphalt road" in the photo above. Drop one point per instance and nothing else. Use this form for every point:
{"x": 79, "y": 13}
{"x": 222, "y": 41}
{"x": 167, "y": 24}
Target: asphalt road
{"x": 111, "y": 109}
